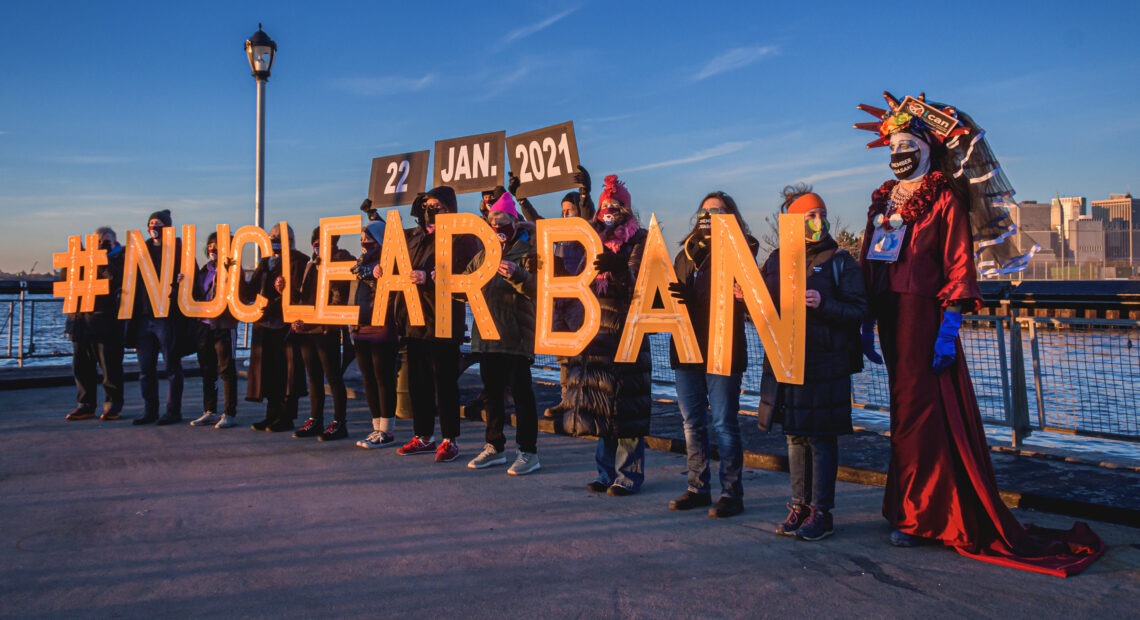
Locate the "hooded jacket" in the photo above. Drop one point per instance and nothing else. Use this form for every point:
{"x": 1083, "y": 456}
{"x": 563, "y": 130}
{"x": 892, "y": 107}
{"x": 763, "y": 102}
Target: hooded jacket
{"x": 822, "y": 405}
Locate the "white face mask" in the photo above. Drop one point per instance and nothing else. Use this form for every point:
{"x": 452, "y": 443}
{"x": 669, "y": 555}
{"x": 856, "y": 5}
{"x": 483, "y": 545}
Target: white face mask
{"x": 904, "y": 148}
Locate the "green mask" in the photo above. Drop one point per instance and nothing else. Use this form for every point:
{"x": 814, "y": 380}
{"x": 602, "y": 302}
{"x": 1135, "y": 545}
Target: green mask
{"x": 817, "y": 229}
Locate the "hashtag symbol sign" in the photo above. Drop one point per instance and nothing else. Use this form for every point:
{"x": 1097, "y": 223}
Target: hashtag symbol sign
{"x": 82, "y": 284}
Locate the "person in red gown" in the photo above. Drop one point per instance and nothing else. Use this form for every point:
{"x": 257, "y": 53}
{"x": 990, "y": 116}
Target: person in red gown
{"x": 920, "y": 271}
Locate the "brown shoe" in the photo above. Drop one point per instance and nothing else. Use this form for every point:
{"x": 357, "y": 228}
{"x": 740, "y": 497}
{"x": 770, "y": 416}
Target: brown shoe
{"x": 111, "y": 411}
{"x": 81, "y": 413}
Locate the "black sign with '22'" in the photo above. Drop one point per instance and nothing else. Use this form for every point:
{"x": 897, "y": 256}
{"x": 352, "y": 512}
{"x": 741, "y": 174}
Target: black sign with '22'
{"x": 396, "y": 179}
{"x": 544, "y": 160}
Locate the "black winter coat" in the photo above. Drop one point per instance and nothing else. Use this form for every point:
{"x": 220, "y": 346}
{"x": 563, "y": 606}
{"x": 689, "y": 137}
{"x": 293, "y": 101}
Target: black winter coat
{"x": 692, "y": 266}
{"x": 511, "y": 301}
{"x": 272, "y": 321}
{"x": 102, "y": 324}
{"x": 421, "y": 249}
{"x": 607, "y": 399}
{"x": 185, "y": 330}
{"x": 822, "y": 405}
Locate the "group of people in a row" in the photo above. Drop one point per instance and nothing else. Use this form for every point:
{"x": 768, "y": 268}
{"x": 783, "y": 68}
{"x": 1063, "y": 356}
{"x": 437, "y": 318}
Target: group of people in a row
{"x": 600, "y": 398}
{"x": 916, "y": 277}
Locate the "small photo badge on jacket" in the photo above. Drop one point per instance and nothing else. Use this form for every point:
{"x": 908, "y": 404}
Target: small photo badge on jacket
{"x": 886, "y": 244}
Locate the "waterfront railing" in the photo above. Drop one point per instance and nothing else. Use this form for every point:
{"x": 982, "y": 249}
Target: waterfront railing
{"x": 1076, "y": 375}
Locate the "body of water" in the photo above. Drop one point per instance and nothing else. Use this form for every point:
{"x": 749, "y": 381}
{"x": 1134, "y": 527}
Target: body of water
{"x": 1089, "y": 377}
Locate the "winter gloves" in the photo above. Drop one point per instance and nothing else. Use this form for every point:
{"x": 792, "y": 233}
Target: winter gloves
{"x": 608, "y": 262}
{"x": 946, "y": 344}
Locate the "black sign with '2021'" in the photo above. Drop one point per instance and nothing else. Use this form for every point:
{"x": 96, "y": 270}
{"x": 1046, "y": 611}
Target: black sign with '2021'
{"x": 396, "y": 179}
{"x": 544, "y": 160}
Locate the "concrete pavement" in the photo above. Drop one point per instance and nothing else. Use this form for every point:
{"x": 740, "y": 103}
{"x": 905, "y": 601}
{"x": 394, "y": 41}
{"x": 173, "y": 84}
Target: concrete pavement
{"x": 103, "y": 519}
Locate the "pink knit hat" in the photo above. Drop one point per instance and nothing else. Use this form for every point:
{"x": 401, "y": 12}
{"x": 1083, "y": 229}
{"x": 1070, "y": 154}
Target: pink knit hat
{"x": 506, "y": 204}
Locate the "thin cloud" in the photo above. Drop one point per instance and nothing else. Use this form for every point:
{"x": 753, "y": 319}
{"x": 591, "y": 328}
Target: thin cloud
{"x": 503, "y": 83}
{"x": 387, "y": 85}
{"x": 736, "y": 58}
{"x": 716, "y": 151}
{"x": 529, "y": 29}
{"x": 87, "y": 160}
{"x": 843, "y": 172}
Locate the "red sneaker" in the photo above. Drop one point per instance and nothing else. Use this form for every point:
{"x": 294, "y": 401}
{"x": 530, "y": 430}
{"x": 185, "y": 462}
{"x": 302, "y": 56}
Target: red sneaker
{"x": 446, "y": 452}
{"x": 416, "y": 446}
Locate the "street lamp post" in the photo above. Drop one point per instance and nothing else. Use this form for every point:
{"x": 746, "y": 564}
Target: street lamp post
{"x": 260, "y": 50}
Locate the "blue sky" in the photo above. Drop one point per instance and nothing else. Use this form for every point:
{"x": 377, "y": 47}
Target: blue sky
{"x": 113, "y": 110}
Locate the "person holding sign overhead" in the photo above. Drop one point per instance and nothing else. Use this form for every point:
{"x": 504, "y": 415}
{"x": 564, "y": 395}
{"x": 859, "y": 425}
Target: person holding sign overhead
{"x": 506, "y": 361}
{"x": 704, "y": 397}
{"x": 605, "y": 399}
{"x": 433, "y": 363}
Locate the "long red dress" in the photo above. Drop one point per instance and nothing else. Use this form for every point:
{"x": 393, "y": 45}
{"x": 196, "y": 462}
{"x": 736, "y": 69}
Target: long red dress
{"x": 940, "y": 483}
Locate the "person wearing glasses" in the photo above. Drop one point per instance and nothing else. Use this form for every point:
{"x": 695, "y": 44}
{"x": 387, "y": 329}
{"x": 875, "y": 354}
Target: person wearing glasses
{"x": 706, "y": 399}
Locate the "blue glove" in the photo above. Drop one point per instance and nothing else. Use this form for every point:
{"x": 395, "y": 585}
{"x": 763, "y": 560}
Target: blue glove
{"x": 946, "y": 345}
{"x": 868, "y": 335}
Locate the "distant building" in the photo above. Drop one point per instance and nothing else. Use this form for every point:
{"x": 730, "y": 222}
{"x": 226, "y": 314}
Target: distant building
{"x": 1066, "y": 209}
{"x": 1034, "y": 225}
{"x": 1120, "y": 215}
{"x": 1085, "y": 240}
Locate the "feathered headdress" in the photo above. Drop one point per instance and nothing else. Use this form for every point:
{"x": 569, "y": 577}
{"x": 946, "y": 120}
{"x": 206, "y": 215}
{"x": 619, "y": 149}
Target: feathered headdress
{"x": 615, "y": 189}
{"x": 971, "y": 168}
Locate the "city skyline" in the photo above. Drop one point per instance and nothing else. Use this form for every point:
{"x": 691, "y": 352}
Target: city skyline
{"x": 130, "y": 108}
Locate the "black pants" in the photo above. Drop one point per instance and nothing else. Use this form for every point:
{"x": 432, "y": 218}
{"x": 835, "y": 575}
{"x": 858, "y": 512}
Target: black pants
{"x": 154, "y": 336}
{"x": 379, "y": 364}
{"x": 433, "y": 384}
{"x": 280, "y": 366}
{"x": 321, "y": 354}
{"x": 498, "y": 371}
{"x": 216, "y": 360}
{"x": 91, "y": 355}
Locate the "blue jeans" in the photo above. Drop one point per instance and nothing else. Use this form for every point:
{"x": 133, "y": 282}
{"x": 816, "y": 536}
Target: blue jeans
{"x": 621, "y": 462}
{"x": 155, "y": 336}
{"x": 703, "y": 397}
{"x": 813, "y": 463}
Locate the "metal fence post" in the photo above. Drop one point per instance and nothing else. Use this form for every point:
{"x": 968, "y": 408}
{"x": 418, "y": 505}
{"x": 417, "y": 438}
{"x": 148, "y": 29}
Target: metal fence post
{"x": 11, "y": 325}
{"x": 1035, "y": 348}
{"x": 1019, "y": 391}
{"x": 1005, "y": 388}
{"x": 20, "y": 352}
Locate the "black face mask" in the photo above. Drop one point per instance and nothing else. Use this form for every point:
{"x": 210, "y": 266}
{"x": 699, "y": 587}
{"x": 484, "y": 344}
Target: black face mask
{"x": 505, "y": 232}
{"x": 904, "y": 164}
{"x": 428, "y": 218}
{"x": 105, "y": 245}
{"x": 704, "y": 226}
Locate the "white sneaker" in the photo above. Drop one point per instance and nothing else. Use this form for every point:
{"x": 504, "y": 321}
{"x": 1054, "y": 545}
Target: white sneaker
{"x": 525, "y": 463}
{"x": 488, "y": 457}
{"x": 207, "y": 419}
{"x": 227, "y": 421}
{"x": 377, "y": 439}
